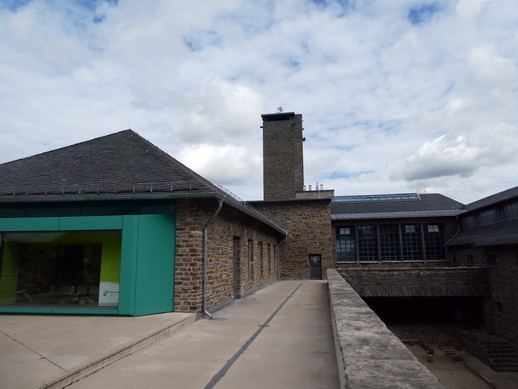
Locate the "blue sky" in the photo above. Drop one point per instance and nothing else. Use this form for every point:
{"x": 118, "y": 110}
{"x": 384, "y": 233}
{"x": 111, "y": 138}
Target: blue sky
{"x": 396, "y": 96}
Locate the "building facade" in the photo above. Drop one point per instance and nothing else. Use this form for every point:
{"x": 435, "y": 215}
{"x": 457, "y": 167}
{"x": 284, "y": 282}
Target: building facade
{"x": 424, "y": 255}
{"x": 115, "y": 226}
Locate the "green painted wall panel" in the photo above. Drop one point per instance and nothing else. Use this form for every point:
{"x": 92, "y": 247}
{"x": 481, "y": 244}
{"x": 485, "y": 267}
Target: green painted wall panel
{"x": 155, "y": 268}
{"x": 30, "y": 224}
{"x": 91, "y": 223}
{"x": 128, "y": 265}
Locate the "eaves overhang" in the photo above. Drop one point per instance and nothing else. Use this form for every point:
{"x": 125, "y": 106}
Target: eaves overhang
{"x": 500, "y": 234}
{"x": 162, "y": 191}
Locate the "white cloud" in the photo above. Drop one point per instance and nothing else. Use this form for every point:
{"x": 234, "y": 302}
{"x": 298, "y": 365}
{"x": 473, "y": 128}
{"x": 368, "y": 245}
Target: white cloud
{"x": 396, "y": 96}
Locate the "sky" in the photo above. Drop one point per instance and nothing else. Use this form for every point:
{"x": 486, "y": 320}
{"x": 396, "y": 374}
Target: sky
{"x": 396, "y": 96}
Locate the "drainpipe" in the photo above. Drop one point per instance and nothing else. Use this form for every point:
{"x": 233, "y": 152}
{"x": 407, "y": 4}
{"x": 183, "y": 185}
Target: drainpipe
{"x": 206, "y": 258}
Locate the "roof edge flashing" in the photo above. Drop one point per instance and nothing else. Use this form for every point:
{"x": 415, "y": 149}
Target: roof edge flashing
{"x": 273, "y": 117}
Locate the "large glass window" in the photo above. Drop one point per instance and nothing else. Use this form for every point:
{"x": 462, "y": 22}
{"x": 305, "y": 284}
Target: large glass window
{"x": 389, "y": 242}
{"x": 367, "y": 243}
{"x": 434, "y": 242}
{"x": 60, "y": 269}
{"x": 345, "y": 244}
{"x": 411, "y": 239}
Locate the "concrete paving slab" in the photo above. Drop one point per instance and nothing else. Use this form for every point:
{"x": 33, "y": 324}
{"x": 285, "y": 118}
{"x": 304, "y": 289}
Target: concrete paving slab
{"x": 48, "y": 351}
{"x": 254, "y": 339}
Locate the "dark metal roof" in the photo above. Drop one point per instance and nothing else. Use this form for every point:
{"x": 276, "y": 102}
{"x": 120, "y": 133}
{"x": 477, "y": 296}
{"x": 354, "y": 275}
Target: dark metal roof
{"x": 425, "y": 205}
{"x": 117, "y": 166}
{"x": 491, "y": 235}
{"x": 493, "y": 199}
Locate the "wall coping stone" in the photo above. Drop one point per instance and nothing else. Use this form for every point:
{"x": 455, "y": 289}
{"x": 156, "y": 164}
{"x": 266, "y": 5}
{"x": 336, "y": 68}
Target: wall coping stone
{"x": 368, "y": 354}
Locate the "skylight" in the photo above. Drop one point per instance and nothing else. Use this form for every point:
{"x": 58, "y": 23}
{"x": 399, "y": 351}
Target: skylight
{"x": 378, "y": 197}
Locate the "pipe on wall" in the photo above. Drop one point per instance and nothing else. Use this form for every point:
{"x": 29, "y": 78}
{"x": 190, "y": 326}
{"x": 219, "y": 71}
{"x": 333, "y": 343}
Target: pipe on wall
{"x": 206, "y": 257}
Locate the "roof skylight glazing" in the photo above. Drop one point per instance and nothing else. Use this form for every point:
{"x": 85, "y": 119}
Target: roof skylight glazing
{"x": 378, "y": 197}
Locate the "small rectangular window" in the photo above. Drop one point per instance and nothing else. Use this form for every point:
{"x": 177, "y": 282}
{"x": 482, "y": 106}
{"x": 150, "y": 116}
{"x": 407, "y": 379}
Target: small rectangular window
{"x": 470, "y": 260}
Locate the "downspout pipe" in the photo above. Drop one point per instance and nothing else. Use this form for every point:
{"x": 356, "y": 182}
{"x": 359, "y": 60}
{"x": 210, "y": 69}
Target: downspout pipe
{"x": 206, "y": 257}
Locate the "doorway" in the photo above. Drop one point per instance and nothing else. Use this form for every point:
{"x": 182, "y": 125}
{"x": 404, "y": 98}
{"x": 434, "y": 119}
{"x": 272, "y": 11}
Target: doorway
{"x": 315, "y": 267}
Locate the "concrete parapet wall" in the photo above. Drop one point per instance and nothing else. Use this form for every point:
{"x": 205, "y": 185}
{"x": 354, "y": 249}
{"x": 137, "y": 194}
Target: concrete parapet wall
{"x": 368, "y": 354}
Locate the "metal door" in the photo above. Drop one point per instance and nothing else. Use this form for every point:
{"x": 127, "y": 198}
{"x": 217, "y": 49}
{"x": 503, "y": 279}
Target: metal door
{"x": 315, "y": 267}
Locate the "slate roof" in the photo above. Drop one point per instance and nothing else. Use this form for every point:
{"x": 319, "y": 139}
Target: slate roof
{"x": 492, "y": 235}
{"x": 426, "y": 205}
{"x": 117, "y": 166}
{"x": 493, "y": 199}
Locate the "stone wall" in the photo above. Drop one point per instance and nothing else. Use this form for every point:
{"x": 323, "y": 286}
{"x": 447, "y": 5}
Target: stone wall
{"x": 401, "y": 281}
{"x": 241, "y": 254}
{"x": 283, "y": 166}
{"x": 308, "y": 223}
{"x": 501, "y": 264}
{"x": 188, "y": 281}
{"x": 368, "y": 354}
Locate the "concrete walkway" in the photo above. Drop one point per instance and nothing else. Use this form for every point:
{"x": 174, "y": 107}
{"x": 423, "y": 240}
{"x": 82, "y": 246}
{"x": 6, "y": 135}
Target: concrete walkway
{"x": 279, "y": 337}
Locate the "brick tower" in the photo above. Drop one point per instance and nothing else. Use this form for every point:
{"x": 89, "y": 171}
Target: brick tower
{"x": 283, "y": 166}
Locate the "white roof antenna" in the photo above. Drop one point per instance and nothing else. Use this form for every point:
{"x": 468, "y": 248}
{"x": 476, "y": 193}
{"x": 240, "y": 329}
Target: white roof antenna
{"x": 279, "y": 109}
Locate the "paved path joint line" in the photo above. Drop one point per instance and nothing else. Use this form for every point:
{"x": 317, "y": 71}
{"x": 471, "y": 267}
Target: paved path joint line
{"x": 220, "y": 374}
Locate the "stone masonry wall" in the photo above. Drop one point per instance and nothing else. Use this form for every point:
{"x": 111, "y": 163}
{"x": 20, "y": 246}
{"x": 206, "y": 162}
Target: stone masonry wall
{"x": 188, "y": 282}
{"x": 232, "y": 272}
{"x": 253, "y": 269}
{"x": 504, "y": 291}
{"x": 282, "y": 158}
{"x": 308, "y": 223}
{"x": 501, "y": 264}
{"x": 410, "y": 282}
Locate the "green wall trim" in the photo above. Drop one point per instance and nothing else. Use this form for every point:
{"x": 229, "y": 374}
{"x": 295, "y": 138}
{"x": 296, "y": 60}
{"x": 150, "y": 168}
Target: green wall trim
{"x": 90, "y": 223}
{"x": 61, "y": 223}
{"x": 29, "y": 224}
